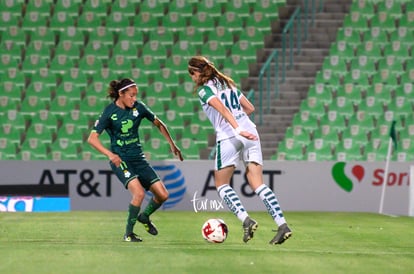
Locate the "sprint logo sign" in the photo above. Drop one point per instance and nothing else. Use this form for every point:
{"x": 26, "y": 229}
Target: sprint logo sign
{"x": 343, "y": 181}
{"x": 346, "y": 177}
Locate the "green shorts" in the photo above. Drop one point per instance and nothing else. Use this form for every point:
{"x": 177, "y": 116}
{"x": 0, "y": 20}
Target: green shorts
{"x": 132, "y": 169}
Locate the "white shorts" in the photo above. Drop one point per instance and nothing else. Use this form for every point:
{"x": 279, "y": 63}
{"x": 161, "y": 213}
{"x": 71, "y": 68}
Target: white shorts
{"x": 229, "y": 152}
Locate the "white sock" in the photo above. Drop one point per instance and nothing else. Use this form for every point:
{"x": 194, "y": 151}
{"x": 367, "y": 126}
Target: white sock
{"x": 272, "y": 205}
{"x": 232, "y": 200}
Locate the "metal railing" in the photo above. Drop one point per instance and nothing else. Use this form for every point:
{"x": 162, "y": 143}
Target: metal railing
{"x": 288, "y": 34}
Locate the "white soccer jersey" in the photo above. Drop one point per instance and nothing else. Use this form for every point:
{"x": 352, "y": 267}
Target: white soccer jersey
{"x": 231, "y": 99}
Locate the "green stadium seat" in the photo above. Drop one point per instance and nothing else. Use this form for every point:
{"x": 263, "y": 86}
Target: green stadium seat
{"x": 370, "y": 50}
{"x": 236, "y": 67}
{"x": 40, "y": 90}
{"x": 157, "y": 149}
{"x": 89, "y": 64}
{"x": 184, "y": 8}
{"x": 377, "y": 36}
{"x": 30, "y": 106}
{"x": 365, "y": 65}
{"x": 71, "y": 131}
{"x": 357, "y": 78}
{"x": 260, "y": 21}
{"x": 335, "y": 64}
{"x": 391, "y": 64}
{"x": 165, "y": 36}
{"x": 365, "y": 8}
{"x": 45, "y": 118}
{"x": 397, "y": 49}
{"x": 131, "y": 35}
{"x": 356, "y": 21}
{"x": 254, "y": 36}
{"x": 10, "y": 135}
{"x": 60, "y": 21}
{"x": 215, "y": 52}
{"x": 400, "y": 108}
{"x": 243, "y": 9}
{"x": 11, "y": 55}
{"x": 174, "y": 22}
{"x": 404, "y": 36}
{"x": 26, "y": 153}
{"x": 69, "y": 38}
{"x": 14, "y": 35}
{"x": 327, "y": 135}
{"x": 405, "y": 92}
{"x": 175, "y": 122}
{"x": 11, "y": 96}
{"x": 391, "y": 8}
{"x": 342, "y": 49}
{"x": 362, "y": 121}
{"x": 245, "y": 50}
{"x": 33, "y": 20}
{"x": 223, "y": 36}
{"x": 192, "y": 36}
{"x": 318, "y": 151}
{"x": 384, "y": 21}
{"x": 305, "y": 122}
{"x": 232, "y": 21}
{"x": 189, "y": 149}
{"x": 332, "y": 121}
{"x": 215, "y": 9}
{"x": 71, "y": 7}
{"x": 41, "y": 132}
{"x": 407, "y": 18}
{"x": 14, "y": 8}
{"x": 8, "y": 19}
{"x": 373, "y": 154}
{"x": 203, "y": 21}
{"x": 64, "y": 149}
{"x": 116, "y": 21}
{"x": 155, "y": 49}
{"x": 97, "y": 7}
{"x": 44, "y": 35}
{"x": 347, "y": 154}
{"x": 88, "y": 21}
{"x": 146, "y": 22}
{"x": 120, "y": 65}
{"x": 126, "y": 7}
{"x": 348, "y": 36}
{"x": 321, "y": 93}
{"x": 61, "y": 106}
{"x": 354, "y": 136}
{"x": 352, "y": 92}
{"x": 310, "y": 106}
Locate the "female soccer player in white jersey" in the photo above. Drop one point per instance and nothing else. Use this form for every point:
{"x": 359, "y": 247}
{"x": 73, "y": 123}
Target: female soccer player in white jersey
{"x": 236, "y": 139}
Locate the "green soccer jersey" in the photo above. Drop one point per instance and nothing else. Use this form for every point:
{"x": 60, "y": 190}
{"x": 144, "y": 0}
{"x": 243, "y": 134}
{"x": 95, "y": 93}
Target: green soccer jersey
{"x": 122, "y": 127}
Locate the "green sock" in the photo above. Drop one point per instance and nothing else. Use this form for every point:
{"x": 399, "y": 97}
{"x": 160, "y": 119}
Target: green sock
{"x": 132, "y": 218}
{"x": 151, "y": 207}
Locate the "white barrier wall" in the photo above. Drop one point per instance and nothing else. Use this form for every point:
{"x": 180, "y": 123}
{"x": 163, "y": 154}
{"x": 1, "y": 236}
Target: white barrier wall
{"x": 299, "y": 186}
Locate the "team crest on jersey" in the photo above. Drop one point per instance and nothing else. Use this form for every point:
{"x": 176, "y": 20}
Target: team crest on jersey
{"x": 127, "y": 174}
{"x": 135, "y": 112}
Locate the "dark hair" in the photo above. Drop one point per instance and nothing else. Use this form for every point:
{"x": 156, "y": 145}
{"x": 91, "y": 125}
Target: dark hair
{"x": 116, "y": 86}
{"x": 208, "y": 72}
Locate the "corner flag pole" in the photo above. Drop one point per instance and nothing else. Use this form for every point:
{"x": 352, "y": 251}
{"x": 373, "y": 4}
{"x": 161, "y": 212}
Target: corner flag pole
{"x": 393, "y": 139}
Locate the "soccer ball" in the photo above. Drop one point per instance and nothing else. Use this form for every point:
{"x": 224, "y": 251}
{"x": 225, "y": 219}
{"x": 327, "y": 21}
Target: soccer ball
{"x": 214, "y": 231}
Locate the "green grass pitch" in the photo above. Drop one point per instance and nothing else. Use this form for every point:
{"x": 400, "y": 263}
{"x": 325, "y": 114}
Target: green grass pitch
{"x": 91, "y": 242}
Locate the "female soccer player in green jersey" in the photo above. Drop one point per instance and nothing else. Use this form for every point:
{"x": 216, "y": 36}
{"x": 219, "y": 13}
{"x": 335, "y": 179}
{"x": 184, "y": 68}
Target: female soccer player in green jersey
{"x": 121, "y": 120}
{"x": 236, "y": 139}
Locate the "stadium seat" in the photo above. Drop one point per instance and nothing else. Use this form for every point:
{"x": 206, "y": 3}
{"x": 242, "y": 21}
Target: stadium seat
{"x": 305, "y": 122}
{"x": 189, "y": 149}
{"x": 365, "y": 8}
{"x": 328, "y": 135}
{"x": 14, "y": 8}
{"x": 245, "y": 50}
{"x": 146, "y": 22}
{"x": 312, "y": 107}
{"x": 342, "y": 49}
{"x": 377, "y": 35}
{"x": 30, "y": 106}
{"x": 356, "y": 21}
{"x": 174, "y": 22}
{"x": 348, "y": 36}
{"x": 318, "y": 150}
{"x": 60, "y": 21}
{"x": 45, "y": 118}
{"x": 64, "y": 149}
{"x": 116, "y": 21}
{"x": 165, "y": 36}
{"x": 352, "y": 92}
{"x": 33, "y": 20}
{"x": 391, "y": 8}
{"x": 203, "y": 21}
{"x": 131, "y": 35}
{"x": 357, "y": 78}
{"x": 254, "y": 36}
{"x": 223, "y": 36}
{"x": 8, "y": 19}
{"x": 40, "y": 131}
{"x": 192, "y": 36}
{"x": 397, "y": 49}
{"x": 332, "y": 122}
{"x": 362, "y": 121}
{"x": 260, "y": 21}
{"x": 14, "y": 35}
{"x": 71, "y": 37}
{"x": 70, "y": 7}
{"x": 336, "y": 64}
{"x": 232, "y": 21}
{"x": 384, "y": 21}
{"x": 184, "y": 8}
{"x": 215, "y": 52}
